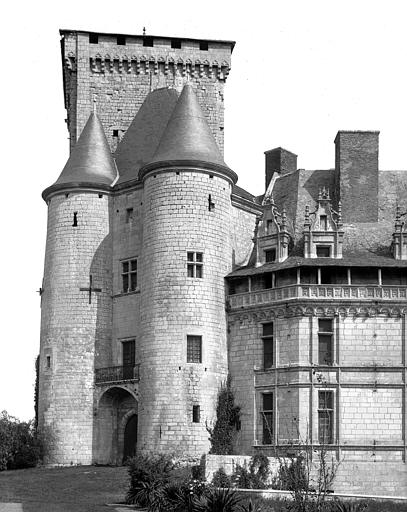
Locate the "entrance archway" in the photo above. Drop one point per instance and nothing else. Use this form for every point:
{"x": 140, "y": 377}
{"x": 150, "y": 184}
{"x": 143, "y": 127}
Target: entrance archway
{"x": 130, "y": 437}
{"x": 117, "y": 407}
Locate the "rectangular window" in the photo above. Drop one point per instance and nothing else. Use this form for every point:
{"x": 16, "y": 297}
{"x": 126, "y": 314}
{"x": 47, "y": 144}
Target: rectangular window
{"x": 194, "y": 349}
{"x": 323, "y": 251}
{"x": 128, "y": 358}
{"x": 195, "y": 264}
{"x": 268, "y": 345}
{"x": 196, "y": 414}
{"x": 129, "y": 215}
{"x": 176, "y": 43}
{"x": 93, "y": 38}
{"x": 267, "y": 417}
{"x": 48, "y": 361}
{"x": 325, "y": 417}
{"x": 325, "y": 341}
{"x": 270, "y": 255}
{"x": 129, "y": 275}
{"x": 148, "y": 41}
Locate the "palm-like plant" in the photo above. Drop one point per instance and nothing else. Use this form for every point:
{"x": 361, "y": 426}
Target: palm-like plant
{"x": 218, "y": 500}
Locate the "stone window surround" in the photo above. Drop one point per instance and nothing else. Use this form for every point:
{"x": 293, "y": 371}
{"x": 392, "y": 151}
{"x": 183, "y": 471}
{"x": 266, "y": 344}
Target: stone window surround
{"x": 129, "y": 273}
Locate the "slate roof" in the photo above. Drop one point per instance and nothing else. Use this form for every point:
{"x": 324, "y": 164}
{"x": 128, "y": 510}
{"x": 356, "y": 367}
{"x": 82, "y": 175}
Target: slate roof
{"x": 90, "y": 160}
{"x": 188, "y": 138}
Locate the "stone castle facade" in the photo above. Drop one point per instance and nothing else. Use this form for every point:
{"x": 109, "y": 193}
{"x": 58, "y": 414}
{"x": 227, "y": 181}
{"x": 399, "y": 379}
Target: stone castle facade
{"x": 162, "y": 275}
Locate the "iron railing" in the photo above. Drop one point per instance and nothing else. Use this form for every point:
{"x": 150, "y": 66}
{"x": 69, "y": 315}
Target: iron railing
{"x": 117, "y": 374}
{"x": 324, "y": 292}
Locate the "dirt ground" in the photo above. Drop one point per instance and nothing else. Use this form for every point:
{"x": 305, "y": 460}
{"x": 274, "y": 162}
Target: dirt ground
{"x": 73, "y": 489}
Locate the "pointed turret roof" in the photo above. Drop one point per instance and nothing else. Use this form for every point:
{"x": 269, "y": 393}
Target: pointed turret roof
{"x": 188, "y": 139}
{"x": 90, "y": 161}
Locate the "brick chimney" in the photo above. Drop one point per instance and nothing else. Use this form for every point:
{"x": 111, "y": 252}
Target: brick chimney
{"x": 281, "y": 161}
{"x": 357, "y": 175}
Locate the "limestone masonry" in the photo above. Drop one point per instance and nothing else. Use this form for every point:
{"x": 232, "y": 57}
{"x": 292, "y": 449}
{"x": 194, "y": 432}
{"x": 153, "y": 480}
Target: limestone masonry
{"x": 162, "y": 276}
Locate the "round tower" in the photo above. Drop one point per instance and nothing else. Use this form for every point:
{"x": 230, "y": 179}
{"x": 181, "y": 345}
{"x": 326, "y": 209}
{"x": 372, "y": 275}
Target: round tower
{"x": 76, "y": 298}
{"x": 186, "y": 254}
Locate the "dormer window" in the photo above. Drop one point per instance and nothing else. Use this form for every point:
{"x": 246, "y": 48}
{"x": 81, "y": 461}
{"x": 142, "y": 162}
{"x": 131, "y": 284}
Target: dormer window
{"x": 323, "y": 251}
{"x": 270, "y": 255}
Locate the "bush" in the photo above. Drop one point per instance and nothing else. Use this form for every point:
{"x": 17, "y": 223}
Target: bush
{"x": 20, "y": 444}
{"x": 149, "y": 473}
{"x": 218, "y": 500}
{"x": 221, "y": 479}
{"x": 256, "y": 477}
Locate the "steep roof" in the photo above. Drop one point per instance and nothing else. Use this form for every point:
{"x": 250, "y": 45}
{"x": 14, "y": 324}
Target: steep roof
{"x": 90, "y": 160}
{"x": 144, "y": 133}
{"x": 188, "y": 138}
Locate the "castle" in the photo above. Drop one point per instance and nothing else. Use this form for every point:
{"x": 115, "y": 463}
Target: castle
{"x": 162, "y": 275}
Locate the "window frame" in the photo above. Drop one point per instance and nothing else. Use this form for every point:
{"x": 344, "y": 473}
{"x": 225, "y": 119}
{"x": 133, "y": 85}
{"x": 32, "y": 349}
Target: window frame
{"x": 325, "y": 334}
{"x": 267, "y": 419}
{"x": 192, "y": 350}
{"x": 324, "y": 413}
{"x": 322, "y": 246}
{"x": 129, "y": 273}
{"x": 195, "y": 262}
{"x": 266, "y": 339}
{"x": 267, "y": 252}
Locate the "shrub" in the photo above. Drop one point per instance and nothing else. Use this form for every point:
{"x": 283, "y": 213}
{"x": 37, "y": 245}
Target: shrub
{"x": 149, "y": 473}
{"x": 227, "y": 419}
{"x": 256, "y": 477}
{"x": 221, "y": 479}
{"x": 20, "y": 444}
{"x": 218, "y": 500}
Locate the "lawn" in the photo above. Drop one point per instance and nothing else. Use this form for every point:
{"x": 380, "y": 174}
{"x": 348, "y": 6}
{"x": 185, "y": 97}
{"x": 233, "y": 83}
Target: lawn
{"x": 71, "y": 489}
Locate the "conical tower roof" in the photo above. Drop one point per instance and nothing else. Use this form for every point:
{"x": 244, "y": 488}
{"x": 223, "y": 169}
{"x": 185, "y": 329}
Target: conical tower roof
{"x": 188, "y": 139}
{"x": 90, "y": 161}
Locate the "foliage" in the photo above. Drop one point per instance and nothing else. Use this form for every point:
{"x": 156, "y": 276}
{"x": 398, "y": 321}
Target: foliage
{"x": 227, "y": 419}
{"x": 149, "y": 473}
{"x": 184, "y": 497}
{"x": 350, "y": 506}
{"x": 218, "y": 500}
{"x": 256, "y": 477}
{"x": 251, "y": 506}
{"x": 221, "y": 479}
{"x": 20, "y": 444}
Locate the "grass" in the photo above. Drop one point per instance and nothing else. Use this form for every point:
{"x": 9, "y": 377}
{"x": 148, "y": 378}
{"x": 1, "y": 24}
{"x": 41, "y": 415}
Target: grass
{"x": 70, "y": 489}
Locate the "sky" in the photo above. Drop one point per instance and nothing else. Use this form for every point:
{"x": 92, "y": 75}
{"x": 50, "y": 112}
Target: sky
{"x": 301, "y": 71}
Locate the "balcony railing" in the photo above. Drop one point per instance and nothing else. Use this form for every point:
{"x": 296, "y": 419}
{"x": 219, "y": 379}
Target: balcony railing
{"x": 117, "y": 374}
{"x": 319, "y": 292}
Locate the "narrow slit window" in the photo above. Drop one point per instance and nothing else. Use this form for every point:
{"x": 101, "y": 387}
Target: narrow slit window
{"x": 48, "y": 361}
{"x": 196, "y": 414}
{"x": 75, "y": 220}
{"x": 211, "y": 204}
{"x": 129, "y": 215}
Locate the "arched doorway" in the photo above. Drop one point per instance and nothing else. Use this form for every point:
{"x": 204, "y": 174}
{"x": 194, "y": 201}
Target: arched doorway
{"x": 116, "y": 409}
{"x": 130, "y": 437}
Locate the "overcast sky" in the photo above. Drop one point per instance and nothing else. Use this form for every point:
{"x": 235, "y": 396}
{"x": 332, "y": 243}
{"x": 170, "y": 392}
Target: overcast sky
{"x": 301, "y": 71}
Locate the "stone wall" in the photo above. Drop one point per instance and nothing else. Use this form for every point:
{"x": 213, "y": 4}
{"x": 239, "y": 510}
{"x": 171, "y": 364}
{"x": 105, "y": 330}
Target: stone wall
{"x": 75, "y": 326}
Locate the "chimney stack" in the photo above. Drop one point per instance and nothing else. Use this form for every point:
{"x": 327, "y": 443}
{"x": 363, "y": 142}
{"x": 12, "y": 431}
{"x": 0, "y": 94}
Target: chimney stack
{"x": 357, "y": 175}
{"x": 281, "y": 161}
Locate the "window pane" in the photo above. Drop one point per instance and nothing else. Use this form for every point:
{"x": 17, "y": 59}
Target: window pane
{"x": 270, "y": 255}
{"x": 125, "y": 265}
{"x": 199, "y": 256}
{"x": 190, "y": 256}
{"x": 323, "y": 252}
{"x": 199, "y": 271}
{"x": 125, "y": 282}
{"x": 325, "y": 349}
{"x": 133, "y": 281}
{"x": 133, "y": 264}
{"x": 268, "y": 329}
{"x": 325, "y": 400}
{"x": 267, "y": 353}
{"x": 325, "y": 427}
{"x": 190, "y": 270}
{"x": 268, "y": 401}
{"x": 129, "y": 353}
{"x": 194, "y": 349}
{"x": 325, "y": 325}
{"x": 267, "y": 427}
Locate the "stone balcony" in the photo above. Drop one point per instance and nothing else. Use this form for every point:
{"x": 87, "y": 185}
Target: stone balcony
{"x": 115, "y": 374}
{"x": 319, "y": 293}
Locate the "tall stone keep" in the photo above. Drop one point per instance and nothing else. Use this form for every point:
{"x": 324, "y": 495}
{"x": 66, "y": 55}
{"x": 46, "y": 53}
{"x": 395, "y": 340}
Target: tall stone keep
{"x": 118, "y": 72}
{"x": 76, "y": 299}
{"x": 186, "y": 252}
